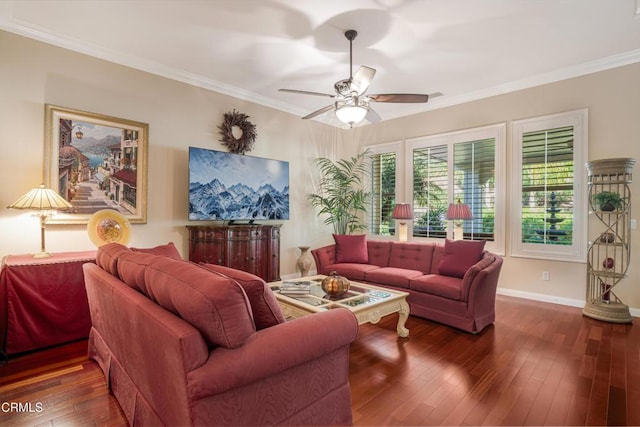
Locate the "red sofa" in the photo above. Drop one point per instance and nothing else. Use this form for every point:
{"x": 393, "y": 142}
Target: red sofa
{"x": 461, "y": 295}
{"x": 184, "y": 344}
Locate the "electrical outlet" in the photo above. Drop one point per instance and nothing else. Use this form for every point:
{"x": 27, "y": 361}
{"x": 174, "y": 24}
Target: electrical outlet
{"x": 545, "y": 276}
{"x": 634, "y": 224}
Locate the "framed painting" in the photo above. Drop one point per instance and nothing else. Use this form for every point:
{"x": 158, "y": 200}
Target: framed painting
{"x": 96, "y": 162}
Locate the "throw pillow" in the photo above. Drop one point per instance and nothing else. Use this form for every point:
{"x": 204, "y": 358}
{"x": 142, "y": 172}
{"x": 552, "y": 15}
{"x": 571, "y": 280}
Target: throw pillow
{"x": 459, "y": 256}
{"x": 167, "y": 250}
{"x": 265, "y": 307}
{"x": 351, "y": 248}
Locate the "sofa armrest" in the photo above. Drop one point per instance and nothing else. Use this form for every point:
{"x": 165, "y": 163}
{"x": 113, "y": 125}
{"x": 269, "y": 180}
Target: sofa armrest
{"x": 273, "y": 350}
{"x": 483, "y": 284}
{"x": 324, "y": 256}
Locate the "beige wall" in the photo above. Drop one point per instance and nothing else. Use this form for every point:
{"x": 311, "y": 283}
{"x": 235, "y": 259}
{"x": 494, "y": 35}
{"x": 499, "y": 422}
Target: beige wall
{"x": 33, "y": 74}
{"x": 612, "y": 98}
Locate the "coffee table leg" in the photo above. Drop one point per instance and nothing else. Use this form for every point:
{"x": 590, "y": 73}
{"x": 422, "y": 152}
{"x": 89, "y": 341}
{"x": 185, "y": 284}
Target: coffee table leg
{"x": 403, "y": 315}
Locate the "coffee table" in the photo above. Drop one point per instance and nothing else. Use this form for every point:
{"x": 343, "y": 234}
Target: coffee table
{"x": 369, "y": 303}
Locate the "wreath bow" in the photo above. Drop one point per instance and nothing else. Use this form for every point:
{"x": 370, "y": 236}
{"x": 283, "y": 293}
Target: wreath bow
{"x": 246, "y": 140}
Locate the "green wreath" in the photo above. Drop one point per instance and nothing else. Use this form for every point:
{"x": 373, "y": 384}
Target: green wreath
{"x": 246, "y": 140}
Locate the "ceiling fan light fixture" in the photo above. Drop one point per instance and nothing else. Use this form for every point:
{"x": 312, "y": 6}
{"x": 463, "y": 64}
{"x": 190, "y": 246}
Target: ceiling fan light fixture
{"x": 351, "y": 112}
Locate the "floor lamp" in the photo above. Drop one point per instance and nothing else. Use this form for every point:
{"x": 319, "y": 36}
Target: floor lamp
{"x": 458, "y": 212}
{"x": 45, "y": 201}
{"x": 402, "y": 211}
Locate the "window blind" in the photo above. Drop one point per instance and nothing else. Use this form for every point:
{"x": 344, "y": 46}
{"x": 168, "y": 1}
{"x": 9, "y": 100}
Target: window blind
{"x": 383, "y": 193}
{"x": 475, "y": 185}
{"x": 430, "y": 191}
{"x": 547, "y": 186}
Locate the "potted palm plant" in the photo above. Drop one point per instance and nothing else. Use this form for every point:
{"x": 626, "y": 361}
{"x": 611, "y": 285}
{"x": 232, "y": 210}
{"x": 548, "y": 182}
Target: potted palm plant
{"x": 608, "y": 201}
{"x": 341, "y": 194}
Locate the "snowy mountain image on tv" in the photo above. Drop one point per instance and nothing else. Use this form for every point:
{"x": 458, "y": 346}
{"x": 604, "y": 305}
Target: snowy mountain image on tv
{"x": 227, "y": 186}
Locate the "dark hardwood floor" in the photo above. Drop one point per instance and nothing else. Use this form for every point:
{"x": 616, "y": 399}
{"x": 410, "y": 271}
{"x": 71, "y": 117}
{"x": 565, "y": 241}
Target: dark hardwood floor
{"x": 540, "y": 364}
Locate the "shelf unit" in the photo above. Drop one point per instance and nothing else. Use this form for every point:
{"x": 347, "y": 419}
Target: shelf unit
{"x": 610, "y": 251}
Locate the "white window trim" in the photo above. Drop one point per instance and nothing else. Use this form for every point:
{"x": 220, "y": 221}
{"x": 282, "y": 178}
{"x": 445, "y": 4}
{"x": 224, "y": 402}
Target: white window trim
{"x": 388, "y": 147}
{"x": 577, "y": 252}
{"x": 498, "y": 133}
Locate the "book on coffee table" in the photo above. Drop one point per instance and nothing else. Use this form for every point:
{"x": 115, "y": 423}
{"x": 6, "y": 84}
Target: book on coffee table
{"x": 295, "y": 288}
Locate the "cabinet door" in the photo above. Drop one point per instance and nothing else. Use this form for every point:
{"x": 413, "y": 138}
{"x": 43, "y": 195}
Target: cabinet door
{"x": 206, "y": 245}
{"x": 273, "y": 252}
{"x": 241, "y": 249}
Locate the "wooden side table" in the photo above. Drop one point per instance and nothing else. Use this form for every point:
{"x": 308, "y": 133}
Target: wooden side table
{"x": 43, "y": 301}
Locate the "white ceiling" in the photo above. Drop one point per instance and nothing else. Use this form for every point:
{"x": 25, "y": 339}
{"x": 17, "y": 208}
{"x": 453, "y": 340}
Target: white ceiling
{"x": 465, "y": 49}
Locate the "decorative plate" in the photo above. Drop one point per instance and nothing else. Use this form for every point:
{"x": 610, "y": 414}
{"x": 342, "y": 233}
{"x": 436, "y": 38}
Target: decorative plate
{"x": 108, "y": 226}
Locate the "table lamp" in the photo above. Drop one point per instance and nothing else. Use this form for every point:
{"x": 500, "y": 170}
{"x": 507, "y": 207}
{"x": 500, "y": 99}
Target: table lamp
{"x": 458, "y": 212}
{"x": 45, "y": 201}
{"x": 402, "y": 211}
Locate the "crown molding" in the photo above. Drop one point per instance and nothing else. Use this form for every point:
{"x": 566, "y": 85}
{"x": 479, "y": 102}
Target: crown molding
{"x": 16, "y": 26}
{"x": 9, "y": 23}
{"x": 602, "y": 64}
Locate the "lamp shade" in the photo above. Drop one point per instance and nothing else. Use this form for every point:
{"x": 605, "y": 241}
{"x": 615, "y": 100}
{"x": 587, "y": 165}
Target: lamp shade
{"x": 351, "y": 114}
{"x": 41, "y": 199}
{"x": 459, "y": 211}
{"x": 402, "y": 211}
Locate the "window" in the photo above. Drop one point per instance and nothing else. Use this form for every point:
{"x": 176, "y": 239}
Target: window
{"x": 475, "y": 185}
{"x": 466, "y": 166}
{"x": 383, "y": 183}
{"x": 549, "y": 187}
{"x": 430, "y": 191}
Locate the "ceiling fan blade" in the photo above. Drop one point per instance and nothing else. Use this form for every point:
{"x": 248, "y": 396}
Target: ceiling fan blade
{"x": 399, "y": 97}
{"x": 372, "y": 116}
{"x": 305, "y": 92}
{"x": 320, "y": 111}
{"x": 362, "y": 79}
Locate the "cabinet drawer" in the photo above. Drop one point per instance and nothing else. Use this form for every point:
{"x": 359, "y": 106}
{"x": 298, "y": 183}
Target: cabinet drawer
{"x": 206, "y": 235}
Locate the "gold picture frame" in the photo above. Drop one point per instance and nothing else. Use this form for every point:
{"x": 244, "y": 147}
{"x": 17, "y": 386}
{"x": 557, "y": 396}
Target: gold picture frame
{"x": 96, "y": 162}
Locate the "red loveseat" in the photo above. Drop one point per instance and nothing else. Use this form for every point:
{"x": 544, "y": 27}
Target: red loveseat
{"x": 454, "y": 284}
{"x": 180, "y": 344}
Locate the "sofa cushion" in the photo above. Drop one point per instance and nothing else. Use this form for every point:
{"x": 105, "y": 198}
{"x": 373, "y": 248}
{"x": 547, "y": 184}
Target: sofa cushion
{"x": 131, "y": 266}
{"x": 107, "y": 257}
{"x": 459, "y": 256}
{"x": 351, "y": 271}
{"x": 351, "y": 248}
{"x": 167, "y": 250}
{"x": 435, "y": 284}
{"x": 264, "y": 305}
{"x": 412, "y": 256}
{"x": 379, "y": 252}
{"x": 392, "y": 276}
{"x": 216, "y": 306}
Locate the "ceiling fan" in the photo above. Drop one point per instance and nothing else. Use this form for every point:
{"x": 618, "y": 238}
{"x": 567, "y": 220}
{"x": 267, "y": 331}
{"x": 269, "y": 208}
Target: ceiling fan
{"x": 351, "y": 104}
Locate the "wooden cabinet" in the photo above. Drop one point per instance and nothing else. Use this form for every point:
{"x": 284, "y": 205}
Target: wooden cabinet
{"x": 254, "y": 248}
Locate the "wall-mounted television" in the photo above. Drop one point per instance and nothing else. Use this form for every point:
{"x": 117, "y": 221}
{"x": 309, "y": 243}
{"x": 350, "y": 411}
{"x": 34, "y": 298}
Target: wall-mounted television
{"x": 234, "y": 187}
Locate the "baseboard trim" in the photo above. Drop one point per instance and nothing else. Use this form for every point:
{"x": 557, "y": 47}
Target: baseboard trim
{"x": 635, "y": 312}
{"x": 551, "y": 299}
